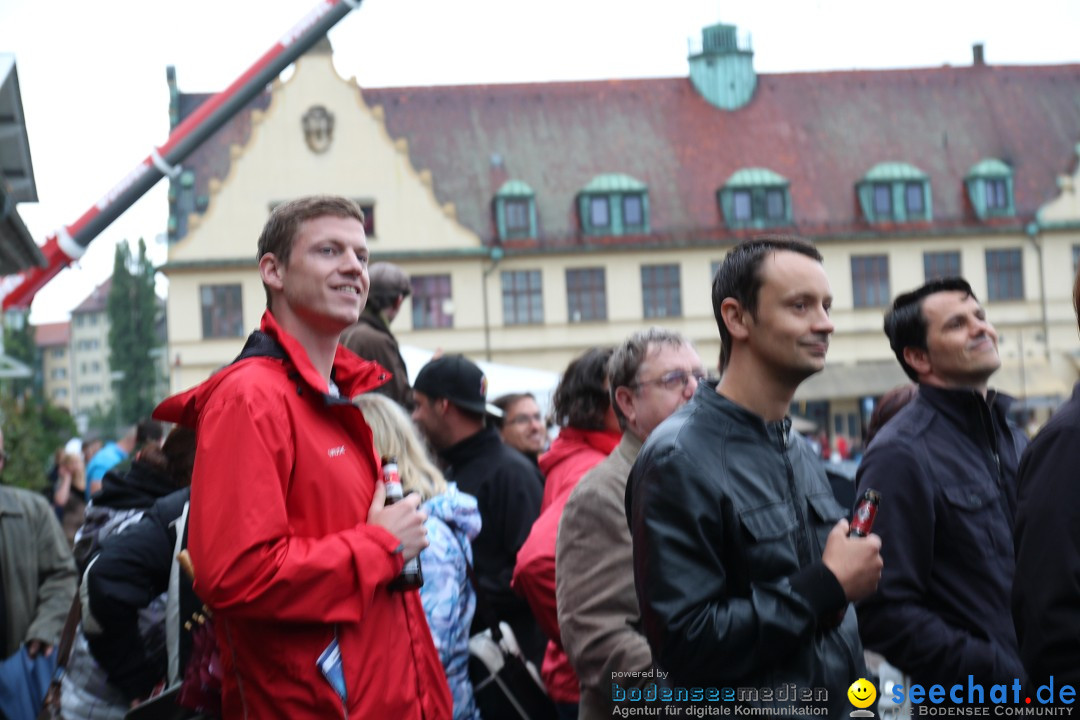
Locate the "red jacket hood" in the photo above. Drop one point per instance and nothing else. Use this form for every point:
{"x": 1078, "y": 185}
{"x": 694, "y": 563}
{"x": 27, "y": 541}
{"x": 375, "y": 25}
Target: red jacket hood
{"x": 352, "y": 374}
{"x": 571, "y": 455}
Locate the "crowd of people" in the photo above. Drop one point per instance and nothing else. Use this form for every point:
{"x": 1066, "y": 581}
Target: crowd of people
{"x": 675, "y": 532}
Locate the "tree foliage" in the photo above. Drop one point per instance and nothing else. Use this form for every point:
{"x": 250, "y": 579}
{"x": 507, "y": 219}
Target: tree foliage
{"x": 19, "y": 344}
{"x": 132, "y": 306}
{"x": 33, "y": 431}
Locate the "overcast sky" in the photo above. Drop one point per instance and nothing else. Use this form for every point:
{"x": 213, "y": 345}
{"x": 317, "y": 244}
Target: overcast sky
{"x": 92, "y": 73}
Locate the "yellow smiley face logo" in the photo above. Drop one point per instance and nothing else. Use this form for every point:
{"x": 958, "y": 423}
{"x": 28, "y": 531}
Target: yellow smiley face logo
{"x": 862, "y": 693}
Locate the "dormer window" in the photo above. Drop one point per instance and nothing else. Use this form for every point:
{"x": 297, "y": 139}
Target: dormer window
{"x": 990, "y": 188}
{"x": 895, "y": 192}
{"x": 755, "y": 198}
{"x": 614, "y": 205}
{"x": 515, "y": 210}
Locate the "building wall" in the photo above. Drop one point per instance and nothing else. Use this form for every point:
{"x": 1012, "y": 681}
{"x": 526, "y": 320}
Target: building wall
{"x": 415, "y": 231}
{"x": 91, "y": 380}
{"x": 57, "y": 375}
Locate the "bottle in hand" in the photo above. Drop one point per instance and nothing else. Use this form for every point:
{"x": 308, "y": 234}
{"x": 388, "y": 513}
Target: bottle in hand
{"x": 862, "y": 522}
{"x": 411, "y": 577}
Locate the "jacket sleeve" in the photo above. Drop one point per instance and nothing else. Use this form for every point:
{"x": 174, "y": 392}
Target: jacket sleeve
{"x": 246, "y": 558}
{"x": 130, "y": 571}
{"x": 697, "y": 628}
{"x": 897, "y": 620}
{"x": 57, "y": 578}
{"x": 595, "y": 588}
{"x": 1045, "y": 588}
{"x": 534, "y": 574}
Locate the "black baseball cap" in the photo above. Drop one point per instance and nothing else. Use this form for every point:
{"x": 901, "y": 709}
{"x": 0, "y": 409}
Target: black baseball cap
{"x": 457, "y": 379}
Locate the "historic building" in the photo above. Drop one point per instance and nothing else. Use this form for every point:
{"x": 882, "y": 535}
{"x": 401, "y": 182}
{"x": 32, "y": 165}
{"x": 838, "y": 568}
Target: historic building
{"x": 53, "y": 341}
{"x": 539, "y": 219}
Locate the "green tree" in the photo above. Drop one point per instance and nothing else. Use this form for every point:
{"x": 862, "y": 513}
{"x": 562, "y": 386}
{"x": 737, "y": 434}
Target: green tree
{"x": 33, "y": 431}
{"x": 132, "y": 306}
{"x": 19, "y": 344}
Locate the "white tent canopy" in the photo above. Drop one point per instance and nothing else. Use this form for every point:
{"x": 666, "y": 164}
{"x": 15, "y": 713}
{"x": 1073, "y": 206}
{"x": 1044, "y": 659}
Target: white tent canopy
{"x": 501, "y": 378}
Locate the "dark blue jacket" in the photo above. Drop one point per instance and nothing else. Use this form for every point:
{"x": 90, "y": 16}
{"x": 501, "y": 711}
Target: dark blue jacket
{"x": 1046, "y": 592}
{"x": 946, "y": 470}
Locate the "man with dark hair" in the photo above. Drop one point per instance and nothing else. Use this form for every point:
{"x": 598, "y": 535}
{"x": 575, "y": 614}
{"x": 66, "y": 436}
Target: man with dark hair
{"x": 589, "y": 432}
{"x": 521, "y": 425}
{"x": 945, "y": 466}
{"x": 370, "y": 337}
{"x": 451, "y": 401}
{"x": 291, "y": 541}
{"x": 651, "y": 374}
{"x": 1046, "y": 589}
{"x": 742, "y": 564}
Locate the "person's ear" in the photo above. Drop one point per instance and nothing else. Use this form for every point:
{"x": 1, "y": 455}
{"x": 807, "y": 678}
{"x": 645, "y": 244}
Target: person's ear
{"x": 735, "y": 318}
{"x": 918, "y": 359}
{"x": 272, "y": 272}
{"x": 624, "y": 396}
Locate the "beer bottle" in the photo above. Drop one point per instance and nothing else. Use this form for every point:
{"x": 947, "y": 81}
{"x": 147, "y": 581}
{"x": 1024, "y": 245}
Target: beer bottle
{"x": 411, "y": 577}
{"x": 862, "y": 522}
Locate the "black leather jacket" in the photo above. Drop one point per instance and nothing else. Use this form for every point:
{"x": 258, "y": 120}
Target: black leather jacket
{"x": 729, "y": 516}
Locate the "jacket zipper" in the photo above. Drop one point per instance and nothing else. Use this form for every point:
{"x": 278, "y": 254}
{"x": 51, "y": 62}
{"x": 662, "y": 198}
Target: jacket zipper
{"x": 803, "y": 548}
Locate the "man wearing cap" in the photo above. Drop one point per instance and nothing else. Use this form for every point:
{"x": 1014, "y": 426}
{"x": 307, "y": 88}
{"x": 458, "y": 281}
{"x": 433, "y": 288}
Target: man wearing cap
{"x": 451, "y": 399}
{"x": 370, "y": 337}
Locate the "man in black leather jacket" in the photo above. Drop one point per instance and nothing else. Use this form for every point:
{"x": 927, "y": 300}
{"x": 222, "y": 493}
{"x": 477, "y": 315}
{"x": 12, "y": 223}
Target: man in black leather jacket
{"x": 742, "y": 564}
{"x": 946, "y": 469}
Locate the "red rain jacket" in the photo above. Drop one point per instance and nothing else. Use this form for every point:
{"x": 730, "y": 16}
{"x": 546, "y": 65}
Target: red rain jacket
{"x": 284, "y": 477}
{"x": 572, "y": 454}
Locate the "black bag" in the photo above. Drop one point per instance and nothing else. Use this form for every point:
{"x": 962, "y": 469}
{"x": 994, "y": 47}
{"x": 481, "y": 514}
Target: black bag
{"x": 505, "y": 685}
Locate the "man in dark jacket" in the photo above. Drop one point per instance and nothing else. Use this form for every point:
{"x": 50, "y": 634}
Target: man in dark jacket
{"x": 451, "y": 394}
{"x": 946, "y": 470}
{"x": 1046, "y": 589}
{"x": 742, "y": 564}
{"x": 370, "y": 337}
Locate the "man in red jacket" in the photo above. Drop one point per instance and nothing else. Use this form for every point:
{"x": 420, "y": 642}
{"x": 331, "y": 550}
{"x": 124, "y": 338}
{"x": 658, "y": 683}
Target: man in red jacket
{"x": 292, "y": 545}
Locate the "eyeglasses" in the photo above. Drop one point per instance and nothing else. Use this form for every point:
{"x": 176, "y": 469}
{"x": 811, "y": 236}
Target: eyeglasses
{"x": 523, "y": 418}
{"x": 674, "y": 380}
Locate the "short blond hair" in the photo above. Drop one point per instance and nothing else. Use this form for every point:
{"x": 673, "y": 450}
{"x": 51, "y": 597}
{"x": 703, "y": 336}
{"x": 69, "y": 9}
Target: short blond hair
{"x": 395, "y": 436}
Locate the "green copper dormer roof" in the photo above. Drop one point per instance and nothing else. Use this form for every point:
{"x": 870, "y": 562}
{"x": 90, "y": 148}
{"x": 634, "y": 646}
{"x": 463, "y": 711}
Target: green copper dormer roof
{"x": 893, "y": 171}
{"x": 614, "y": 182}
{"x": 515, "y": 189}
{"x": 989, "y": 167}
{"x": 755, "y": 177}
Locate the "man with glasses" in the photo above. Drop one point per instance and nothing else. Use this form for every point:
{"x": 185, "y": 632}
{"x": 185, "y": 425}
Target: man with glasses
{"x": 651, "y": 374}
{"x": 742, "y": 563}
{"x": 37, "y": 572}
{"x": 521, "y": 425}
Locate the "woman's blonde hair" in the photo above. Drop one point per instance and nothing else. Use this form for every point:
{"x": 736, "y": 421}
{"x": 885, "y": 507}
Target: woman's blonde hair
{"x": 395, "y": 436}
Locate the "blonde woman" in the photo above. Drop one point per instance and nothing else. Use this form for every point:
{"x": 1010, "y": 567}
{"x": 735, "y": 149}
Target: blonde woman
{"x": 69, "y": 493}
{"x": 453, "y": 521}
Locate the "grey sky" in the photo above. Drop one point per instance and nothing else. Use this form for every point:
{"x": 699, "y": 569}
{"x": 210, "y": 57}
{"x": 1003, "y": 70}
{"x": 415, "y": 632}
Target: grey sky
{"x": 92, "y": 74}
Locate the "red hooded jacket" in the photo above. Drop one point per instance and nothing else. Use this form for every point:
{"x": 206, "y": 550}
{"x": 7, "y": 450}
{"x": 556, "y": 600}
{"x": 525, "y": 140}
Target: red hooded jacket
{"x": 283, "y": 481}
{"x": 573, "y": 454}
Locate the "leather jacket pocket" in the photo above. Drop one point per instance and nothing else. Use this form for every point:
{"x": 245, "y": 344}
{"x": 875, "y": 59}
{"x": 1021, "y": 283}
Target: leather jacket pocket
{"x": 973, "y": 524}
{"x": 825, "y": 513}
{"x": 769, "y": 534}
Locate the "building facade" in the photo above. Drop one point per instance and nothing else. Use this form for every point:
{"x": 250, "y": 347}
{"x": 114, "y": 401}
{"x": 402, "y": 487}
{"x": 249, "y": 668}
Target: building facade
{"x": 91, "y": 375}
{"x": 537, "y": 220}
{"x": 53, "y": 341}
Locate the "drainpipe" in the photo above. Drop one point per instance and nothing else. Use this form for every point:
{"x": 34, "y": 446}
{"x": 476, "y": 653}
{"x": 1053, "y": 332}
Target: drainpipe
{"x": 495, "y": 255}
{"x": 1035, "y": 238}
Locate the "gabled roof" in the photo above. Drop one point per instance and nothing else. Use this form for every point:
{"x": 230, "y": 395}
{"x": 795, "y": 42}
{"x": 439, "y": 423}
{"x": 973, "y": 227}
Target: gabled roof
{"x": 96, "y": 301}
{"x": 821, "y": 131}
{"x": 52, "y": 334}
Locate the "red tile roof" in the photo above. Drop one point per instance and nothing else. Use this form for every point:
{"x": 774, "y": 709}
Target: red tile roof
{"x": 52, "y": 334}
{"x": 822, "y": 131}
{"x": 97, "y": 300}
